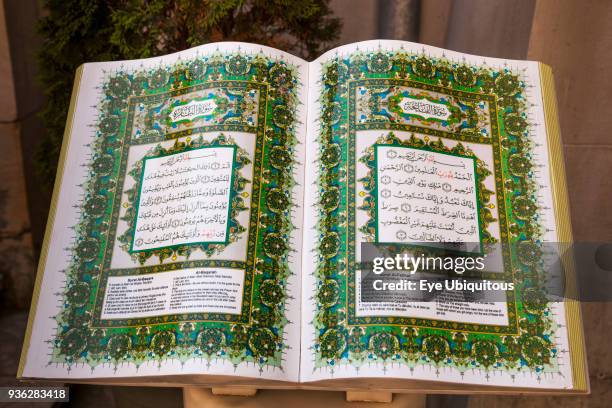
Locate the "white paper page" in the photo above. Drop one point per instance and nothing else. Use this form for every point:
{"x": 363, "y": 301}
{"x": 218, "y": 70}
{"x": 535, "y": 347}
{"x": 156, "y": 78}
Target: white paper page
{"x": 189, "y": 290}
{"x": 313, "y": 365}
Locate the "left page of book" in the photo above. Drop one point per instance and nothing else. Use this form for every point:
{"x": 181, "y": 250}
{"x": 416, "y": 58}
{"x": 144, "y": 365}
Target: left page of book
{"x": 174, "y": 244}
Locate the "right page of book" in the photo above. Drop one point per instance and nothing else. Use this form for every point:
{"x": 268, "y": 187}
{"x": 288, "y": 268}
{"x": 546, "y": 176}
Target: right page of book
{"x": 411, "y": 147}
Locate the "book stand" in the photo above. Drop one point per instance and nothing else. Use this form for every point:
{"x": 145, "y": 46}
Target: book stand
{"x": 198, "y": 397}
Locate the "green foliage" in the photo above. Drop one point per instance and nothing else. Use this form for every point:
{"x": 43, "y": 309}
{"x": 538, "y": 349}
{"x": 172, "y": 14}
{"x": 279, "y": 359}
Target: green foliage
{"x": 78, "y": 31}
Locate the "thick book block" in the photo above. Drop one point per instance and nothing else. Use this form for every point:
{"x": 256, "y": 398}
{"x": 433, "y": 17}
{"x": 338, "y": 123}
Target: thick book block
{"x": 234, "y": 216}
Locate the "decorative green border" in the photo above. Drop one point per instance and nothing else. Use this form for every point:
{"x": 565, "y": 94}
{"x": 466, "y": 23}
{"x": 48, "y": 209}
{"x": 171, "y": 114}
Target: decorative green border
{"x": 80, "y": 338}
{"x": 421, "y": 341}
{"x": 229, "y": 209}
{"x": 370, "y": 184}
{"x": 236, "y": 203}
{"x": 461, "y": 136}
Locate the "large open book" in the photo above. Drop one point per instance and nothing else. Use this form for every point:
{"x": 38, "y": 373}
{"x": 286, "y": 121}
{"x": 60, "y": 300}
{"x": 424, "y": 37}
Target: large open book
{"x": 211, "y": 208}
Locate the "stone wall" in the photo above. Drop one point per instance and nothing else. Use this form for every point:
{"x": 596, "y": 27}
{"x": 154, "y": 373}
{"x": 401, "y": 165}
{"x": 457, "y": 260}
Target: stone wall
{"x": 16, "y": 250}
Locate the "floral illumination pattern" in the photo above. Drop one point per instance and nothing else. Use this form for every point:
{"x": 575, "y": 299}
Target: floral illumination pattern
{"x": 236, "y": 201}
{"x": 252, "y": 94}
{"x": 357, "y": 95}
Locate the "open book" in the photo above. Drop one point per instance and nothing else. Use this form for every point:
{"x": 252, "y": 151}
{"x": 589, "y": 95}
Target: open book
{"x": 211, "y": 208}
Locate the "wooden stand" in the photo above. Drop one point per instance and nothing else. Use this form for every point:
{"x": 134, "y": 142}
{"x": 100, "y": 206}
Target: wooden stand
{"x": 235, "y": 391}
{"x": 199, "y": 397}
{"x": 369, "y": 396}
